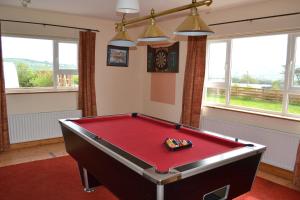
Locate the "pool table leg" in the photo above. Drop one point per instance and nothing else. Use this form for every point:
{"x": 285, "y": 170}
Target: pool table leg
{"x": 159, "y": 192}
{"x": 87, "y": 187}
{"x": 88, "y": 181}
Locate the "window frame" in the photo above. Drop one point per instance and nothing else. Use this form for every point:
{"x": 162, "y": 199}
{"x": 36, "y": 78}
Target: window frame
{"x": 293, "y": 61}
{"x": 211, "y": 83}
{"x": 54, "y": 88}
{"x": 288, "y": 89}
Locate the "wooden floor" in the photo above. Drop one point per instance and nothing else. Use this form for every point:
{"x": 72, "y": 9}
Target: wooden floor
{"x": 42, "y": 152}
{"x": 29, "y": 154}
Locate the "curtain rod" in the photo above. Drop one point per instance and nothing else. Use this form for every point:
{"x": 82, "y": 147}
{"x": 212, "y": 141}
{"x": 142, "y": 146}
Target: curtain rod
{"x": 95, "y": 30}
{"x": 253, "y": 19}
{"x": 45, "y": 24}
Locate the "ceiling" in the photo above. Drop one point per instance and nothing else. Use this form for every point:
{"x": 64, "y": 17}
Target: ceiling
{"x": 106, "y": 8}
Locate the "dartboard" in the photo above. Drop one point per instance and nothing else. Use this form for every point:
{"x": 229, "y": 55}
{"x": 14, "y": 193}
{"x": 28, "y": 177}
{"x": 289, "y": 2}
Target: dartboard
{"x": 161, "y": 60}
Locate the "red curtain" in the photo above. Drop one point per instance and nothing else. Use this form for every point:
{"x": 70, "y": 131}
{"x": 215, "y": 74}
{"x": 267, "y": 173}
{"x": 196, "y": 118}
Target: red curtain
{"x": 193, "y": 81}
{"x": 86, "y": 92}
{"x": 4, "y": 137}
{"x": 297, "y": 169}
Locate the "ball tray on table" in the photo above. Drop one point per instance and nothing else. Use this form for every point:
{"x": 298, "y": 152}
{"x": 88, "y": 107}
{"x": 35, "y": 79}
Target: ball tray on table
{"x": 177, "y": 144}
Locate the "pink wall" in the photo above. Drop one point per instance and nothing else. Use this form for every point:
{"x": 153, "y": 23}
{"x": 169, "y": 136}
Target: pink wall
{"x": 163, "y": 87}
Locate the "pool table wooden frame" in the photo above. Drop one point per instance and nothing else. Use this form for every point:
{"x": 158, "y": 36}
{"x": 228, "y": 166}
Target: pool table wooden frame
{"x": 130, "y": 178}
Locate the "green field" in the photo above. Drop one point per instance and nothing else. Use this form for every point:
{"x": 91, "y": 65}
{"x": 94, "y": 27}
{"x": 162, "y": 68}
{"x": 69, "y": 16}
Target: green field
{"x": 257, "y": 104}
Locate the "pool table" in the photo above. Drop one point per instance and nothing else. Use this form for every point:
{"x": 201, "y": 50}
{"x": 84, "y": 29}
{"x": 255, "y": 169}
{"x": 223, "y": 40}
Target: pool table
{"x": 126, "y": 153}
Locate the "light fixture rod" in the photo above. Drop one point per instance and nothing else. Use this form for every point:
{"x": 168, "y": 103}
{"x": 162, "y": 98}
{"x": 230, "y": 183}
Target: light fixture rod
{"x": 165, "y": 12}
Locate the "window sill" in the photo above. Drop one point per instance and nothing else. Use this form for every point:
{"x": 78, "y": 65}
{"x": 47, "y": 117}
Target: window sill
{"x": 254, "y": 113}
{"x": 39, "y": 90}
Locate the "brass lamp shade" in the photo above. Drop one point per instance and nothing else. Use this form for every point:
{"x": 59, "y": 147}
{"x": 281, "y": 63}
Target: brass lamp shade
{"x": 152, "y": 34}
{"x": 122, "y": 39}
{"x": 193, "y": 25}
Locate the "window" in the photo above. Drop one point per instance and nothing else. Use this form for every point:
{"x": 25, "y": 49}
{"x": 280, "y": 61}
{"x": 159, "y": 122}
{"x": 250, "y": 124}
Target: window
{"x": 297, "y": 63}
{"x": 217, "y": 62}
{"x": 68, "y": 61}
{"x": 294, "y": 89}
{"x": 255, "y": 73}
{"x": 294, "y": 104}
{"x": 34, "y": 63}
{"x": 215, "y": 95}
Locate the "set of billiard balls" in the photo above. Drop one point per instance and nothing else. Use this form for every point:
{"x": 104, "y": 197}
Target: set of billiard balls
{"x": 177, "y": 144}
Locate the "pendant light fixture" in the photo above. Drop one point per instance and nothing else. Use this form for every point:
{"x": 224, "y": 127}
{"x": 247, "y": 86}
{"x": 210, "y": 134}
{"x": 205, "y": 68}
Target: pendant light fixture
{"x": 193, "y": 25}
{"x": 152, "y": 33}
{"x": 128, "y": 6}
{"x": 122, "y": 38}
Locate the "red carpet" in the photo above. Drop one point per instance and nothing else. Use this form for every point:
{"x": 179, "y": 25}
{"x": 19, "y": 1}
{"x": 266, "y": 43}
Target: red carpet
{"x": 58, "y": 179}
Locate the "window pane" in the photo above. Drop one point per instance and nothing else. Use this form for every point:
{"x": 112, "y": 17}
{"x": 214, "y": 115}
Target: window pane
{"x": 294, "y": 104}
{"x": 216, "y": 62}
{"x": 297, "y": 63}
{"x": 67, "y": 80}
{"x": 258, "y": 66}
{"x": 263, "y": 99}
{"x": 68, "y": 56}
{"x": 27, "y": 62}
{"x": 68, "y": 65}
{"x": 215, "y": 95}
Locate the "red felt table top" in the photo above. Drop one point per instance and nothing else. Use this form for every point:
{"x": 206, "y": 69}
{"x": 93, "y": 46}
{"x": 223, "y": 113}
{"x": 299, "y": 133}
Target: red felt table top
{"x": 144, "y": 138}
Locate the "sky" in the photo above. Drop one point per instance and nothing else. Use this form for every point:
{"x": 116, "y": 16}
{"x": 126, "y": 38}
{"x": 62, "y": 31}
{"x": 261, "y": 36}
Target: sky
{"x": 298, "y": 52}
{"x": 38, "y": 49}
{"x": 261, "y": 57}
{"x": 68, "y": 53}
{"x": 217, "y": 60}
{"x": 34, "y": 49}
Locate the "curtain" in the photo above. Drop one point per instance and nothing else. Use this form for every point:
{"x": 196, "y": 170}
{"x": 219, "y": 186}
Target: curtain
{"x": 4, "y": 137}
{"x": 297, "y": 169}
{"x": 193, "y": 81}
{"x": 86, "y": 91}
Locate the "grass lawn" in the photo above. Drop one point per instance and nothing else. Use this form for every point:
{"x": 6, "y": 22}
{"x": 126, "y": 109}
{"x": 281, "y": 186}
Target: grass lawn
{"x": 258, "y": 104}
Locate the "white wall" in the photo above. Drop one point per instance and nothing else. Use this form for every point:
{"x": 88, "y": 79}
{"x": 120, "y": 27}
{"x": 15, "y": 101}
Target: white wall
{"x": 41, "y": 102}
{"x": 265, "y": 8}
{"x": 116, "y": 88}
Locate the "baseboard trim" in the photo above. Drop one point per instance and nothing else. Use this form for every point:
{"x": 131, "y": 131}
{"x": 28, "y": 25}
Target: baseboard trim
{"x": 36, "y": 143}
{"x": 276, "y": 171}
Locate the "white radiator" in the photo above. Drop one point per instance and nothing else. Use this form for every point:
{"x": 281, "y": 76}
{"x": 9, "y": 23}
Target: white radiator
{"x": 37, "y": 126}
{"x": 281, "y": 146}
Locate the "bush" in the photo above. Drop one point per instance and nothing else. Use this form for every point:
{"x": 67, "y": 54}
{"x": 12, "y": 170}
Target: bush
{"x": 297, "y": 74}
{"x": 25, "y": 75}
{"x": 42, "y": 79}
{"x": 75, "y": 79}
{"x": 246, "y": 78}
{"x": 276, "y": 85}
{"x": 29, "y": 78}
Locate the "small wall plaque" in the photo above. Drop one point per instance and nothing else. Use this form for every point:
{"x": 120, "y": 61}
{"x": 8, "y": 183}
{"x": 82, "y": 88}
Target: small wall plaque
{"x": 117, "y": 56}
